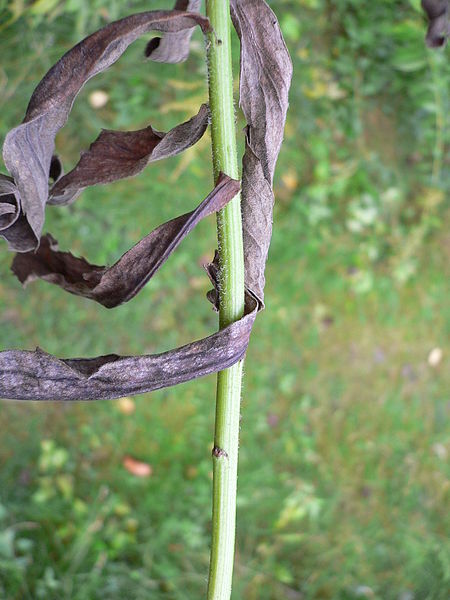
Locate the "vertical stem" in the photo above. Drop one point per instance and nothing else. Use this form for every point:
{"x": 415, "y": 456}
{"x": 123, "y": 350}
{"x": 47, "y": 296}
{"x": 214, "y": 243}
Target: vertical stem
{"x": 231, "y": 295}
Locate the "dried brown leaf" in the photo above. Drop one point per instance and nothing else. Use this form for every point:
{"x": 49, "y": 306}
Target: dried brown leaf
{"x": 28, "y": 149}
{"x": 118, "y": 154}
{"x": 14, "y": 228}
{"x": 266, "y": 72}
{"x": 26, "y": 375}
{"x": 265, "y": 78}
{"x": 173, "y": 47}
{"x": 121, "y": 282}
{"x": 137, "y": 467}
{"x": 438, "y": 13}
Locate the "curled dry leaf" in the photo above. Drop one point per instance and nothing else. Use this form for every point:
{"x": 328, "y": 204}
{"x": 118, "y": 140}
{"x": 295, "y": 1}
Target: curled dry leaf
{"x": 14, "y": 227}
{"x": 40, "y": 376}
{"x": 173, "y": 47}
{"x": 438, "y": 12}
{"x": 28, "y": 149}
{"x": 119, "y": 154}
{"x": 265, "y": 77}
{"x": 121, "y": 282}
{"x": 37, "y": 375}
{"x": 266, "y": 72}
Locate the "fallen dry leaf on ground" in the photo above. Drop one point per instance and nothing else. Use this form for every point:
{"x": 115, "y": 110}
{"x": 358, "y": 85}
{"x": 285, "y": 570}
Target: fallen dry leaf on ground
{"x": 137, "y": 467}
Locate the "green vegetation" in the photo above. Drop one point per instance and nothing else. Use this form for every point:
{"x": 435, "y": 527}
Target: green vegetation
{"x": 343, "y": 478}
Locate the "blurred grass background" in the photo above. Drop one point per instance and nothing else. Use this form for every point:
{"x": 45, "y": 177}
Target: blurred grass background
{"x": 344, "y": 472}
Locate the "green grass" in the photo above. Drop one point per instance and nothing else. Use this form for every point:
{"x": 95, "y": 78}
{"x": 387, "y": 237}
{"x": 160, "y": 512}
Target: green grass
{"x": 344, "y": 478}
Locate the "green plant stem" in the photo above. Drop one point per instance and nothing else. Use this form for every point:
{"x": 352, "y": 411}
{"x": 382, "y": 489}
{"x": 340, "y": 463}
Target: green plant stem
{"x": 231, "y": 296}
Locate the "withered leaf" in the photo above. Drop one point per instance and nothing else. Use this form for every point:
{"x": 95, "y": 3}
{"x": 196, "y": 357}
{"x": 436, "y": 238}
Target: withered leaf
{"x": 137, "y": 467}
{"x": 37, "y": 375}
{"x": 438, "y": 13}
{"x": 173, "y": 47}
{"x": 118, "y": 154}
{"x": 266, "y": 72}
{"x": 14, "y": 227}
{"x": 121, "y": 282}
{"x": 28, "y": 149}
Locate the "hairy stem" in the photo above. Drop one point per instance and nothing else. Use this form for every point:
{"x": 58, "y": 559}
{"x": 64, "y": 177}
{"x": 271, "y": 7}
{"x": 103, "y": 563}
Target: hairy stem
{"x": 231, "y": 296}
